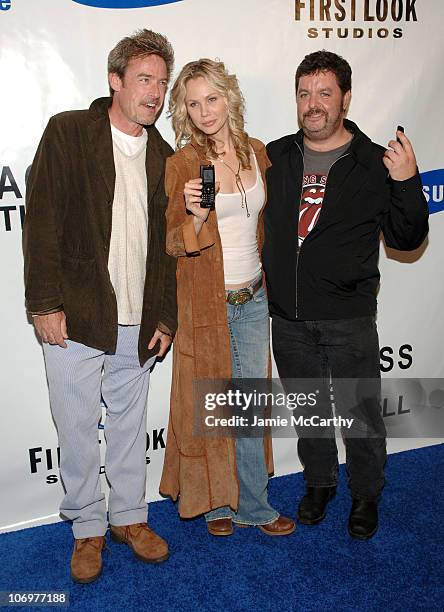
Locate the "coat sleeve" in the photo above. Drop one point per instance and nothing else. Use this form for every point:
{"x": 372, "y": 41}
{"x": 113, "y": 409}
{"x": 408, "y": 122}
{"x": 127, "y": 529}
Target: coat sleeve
{"x": 168, "y": 314}
{"x": 405, "y": 223}
{"x": 46, "y": 186}
{"x": 181, "y": 238}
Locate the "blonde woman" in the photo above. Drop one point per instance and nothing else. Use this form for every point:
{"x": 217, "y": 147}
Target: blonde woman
{"x": 223, "y": 327}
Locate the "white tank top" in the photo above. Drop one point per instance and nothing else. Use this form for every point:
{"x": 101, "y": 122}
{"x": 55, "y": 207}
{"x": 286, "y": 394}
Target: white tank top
{"x": 238, "y": 232}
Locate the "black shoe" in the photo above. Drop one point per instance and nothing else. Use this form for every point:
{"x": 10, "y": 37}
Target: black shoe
{"x": 313, "y": 506}
{"x": 363, "y": 520}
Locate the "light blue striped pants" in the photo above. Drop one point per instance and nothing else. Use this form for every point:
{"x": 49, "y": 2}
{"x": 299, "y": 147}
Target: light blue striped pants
{"x": 78, "y": 376}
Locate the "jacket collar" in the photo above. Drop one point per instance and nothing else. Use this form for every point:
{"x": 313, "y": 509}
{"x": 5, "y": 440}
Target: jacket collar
{"x": 101, "y": 140}
{"x": 199, "y": 149}
{"x": 360, "y": 145}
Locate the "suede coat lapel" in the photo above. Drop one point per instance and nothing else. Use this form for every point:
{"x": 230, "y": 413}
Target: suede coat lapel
{"x": 102, "y": 145}
{"x": 155, "y": 165}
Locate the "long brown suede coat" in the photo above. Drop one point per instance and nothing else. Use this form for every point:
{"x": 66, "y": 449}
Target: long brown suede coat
{"x": 200, "y": 471}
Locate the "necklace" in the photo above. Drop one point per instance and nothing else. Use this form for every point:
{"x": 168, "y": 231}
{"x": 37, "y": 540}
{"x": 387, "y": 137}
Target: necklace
{"x": 239, "y": 183}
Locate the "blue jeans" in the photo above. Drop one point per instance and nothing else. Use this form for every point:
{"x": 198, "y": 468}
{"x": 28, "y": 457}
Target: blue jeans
{"x": 249, "y": 334}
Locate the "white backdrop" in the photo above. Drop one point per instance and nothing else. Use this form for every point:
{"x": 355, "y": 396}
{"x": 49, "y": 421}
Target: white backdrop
{"x": 53, "y": 58}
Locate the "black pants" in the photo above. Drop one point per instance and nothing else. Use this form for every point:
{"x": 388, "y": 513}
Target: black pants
{"x": 341, "y": 349}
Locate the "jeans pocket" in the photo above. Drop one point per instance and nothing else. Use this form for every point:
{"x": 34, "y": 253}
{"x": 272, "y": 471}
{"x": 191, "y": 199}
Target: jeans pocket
{"x": 231, "y": 313}
{"x": 260, "y": 295}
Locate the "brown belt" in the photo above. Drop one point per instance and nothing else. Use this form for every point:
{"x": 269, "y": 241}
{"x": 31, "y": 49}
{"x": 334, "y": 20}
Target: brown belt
{"x": 243, "y": 295}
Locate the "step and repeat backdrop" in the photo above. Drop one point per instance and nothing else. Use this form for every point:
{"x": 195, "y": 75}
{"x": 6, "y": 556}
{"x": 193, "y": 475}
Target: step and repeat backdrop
{"x": 53, "y": 57}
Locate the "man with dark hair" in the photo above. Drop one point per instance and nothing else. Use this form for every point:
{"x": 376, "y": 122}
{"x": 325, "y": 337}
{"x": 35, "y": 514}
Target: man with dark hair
{"x": 331, "y": 191}
{"x": 102, "y": 293}
{"x": 323, "y": 61}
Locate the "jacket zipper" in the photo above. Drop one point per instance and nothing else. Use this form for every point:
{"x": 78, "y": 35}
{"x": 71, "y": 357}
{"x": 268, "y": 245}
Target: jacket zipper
{"x": 297, "y": 231}
{"x": 298, "y": 251}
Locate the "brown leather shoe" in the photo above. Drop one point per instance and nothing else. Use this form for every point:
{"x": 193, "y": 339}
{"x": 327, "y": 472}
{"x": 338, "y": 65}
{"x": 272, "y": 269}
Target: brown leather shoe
{"x": 220, "y": 527}
{"x": 145, "y": 544}
{"x": 86, "y": 560}
{"x": 282, "y": 526}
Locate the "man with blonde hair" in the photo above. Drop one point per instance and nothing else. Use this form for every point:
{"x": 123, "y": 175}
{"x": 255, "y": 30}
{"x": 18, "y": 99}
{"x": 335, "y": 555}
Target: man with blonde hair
{"x": 102, "y": 293}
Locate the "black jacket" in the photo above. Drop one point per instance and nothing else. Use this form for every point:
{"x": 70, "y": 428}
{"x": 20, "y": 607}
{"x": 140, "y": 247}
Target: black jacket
{"x": 335, "y": 273}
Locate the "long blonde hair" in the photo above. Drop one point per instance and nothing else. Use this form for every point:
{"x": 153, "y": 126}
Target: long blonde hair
{"x": 228, "y": 87}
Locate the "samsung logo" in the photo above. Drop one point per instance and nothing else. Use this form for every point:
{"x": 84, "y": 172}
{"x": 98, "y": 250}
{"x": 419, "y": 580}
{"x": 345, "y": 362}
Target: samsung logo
{"x": 433, "y": 188}
{"x": 123, "y": 4}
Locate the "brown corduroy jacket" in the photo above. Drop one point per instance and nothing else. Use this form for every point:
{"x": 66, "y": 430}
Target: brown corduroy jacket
{"x": 200, "y": 471}
{"x": 67, "y": 231}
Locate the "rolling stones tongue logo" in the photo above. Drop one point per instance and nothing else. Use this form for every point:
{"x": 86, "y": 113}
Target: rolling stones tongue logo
{"x": 311, "y": 203}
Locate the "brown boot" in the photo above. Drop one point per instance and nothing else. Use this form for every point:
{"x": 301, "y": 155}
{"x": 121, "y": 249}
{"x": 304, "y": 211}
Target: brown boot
{"x": 145, "y": 544}
{"x": 220, "y": 527}
{"x": 86, "y": 560}
{"x": 282, "y": 526}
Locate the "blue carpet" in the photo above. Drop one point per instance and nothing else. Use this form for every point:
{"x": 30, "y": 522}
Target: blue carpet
{"x": 316, "y": 568}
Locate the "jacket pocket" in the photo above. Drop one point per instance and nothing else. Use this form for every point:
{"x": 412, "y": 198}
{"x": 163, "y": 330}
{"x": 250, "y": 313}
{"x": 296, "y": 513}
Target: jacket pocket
{"x": 81, "y": 287}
